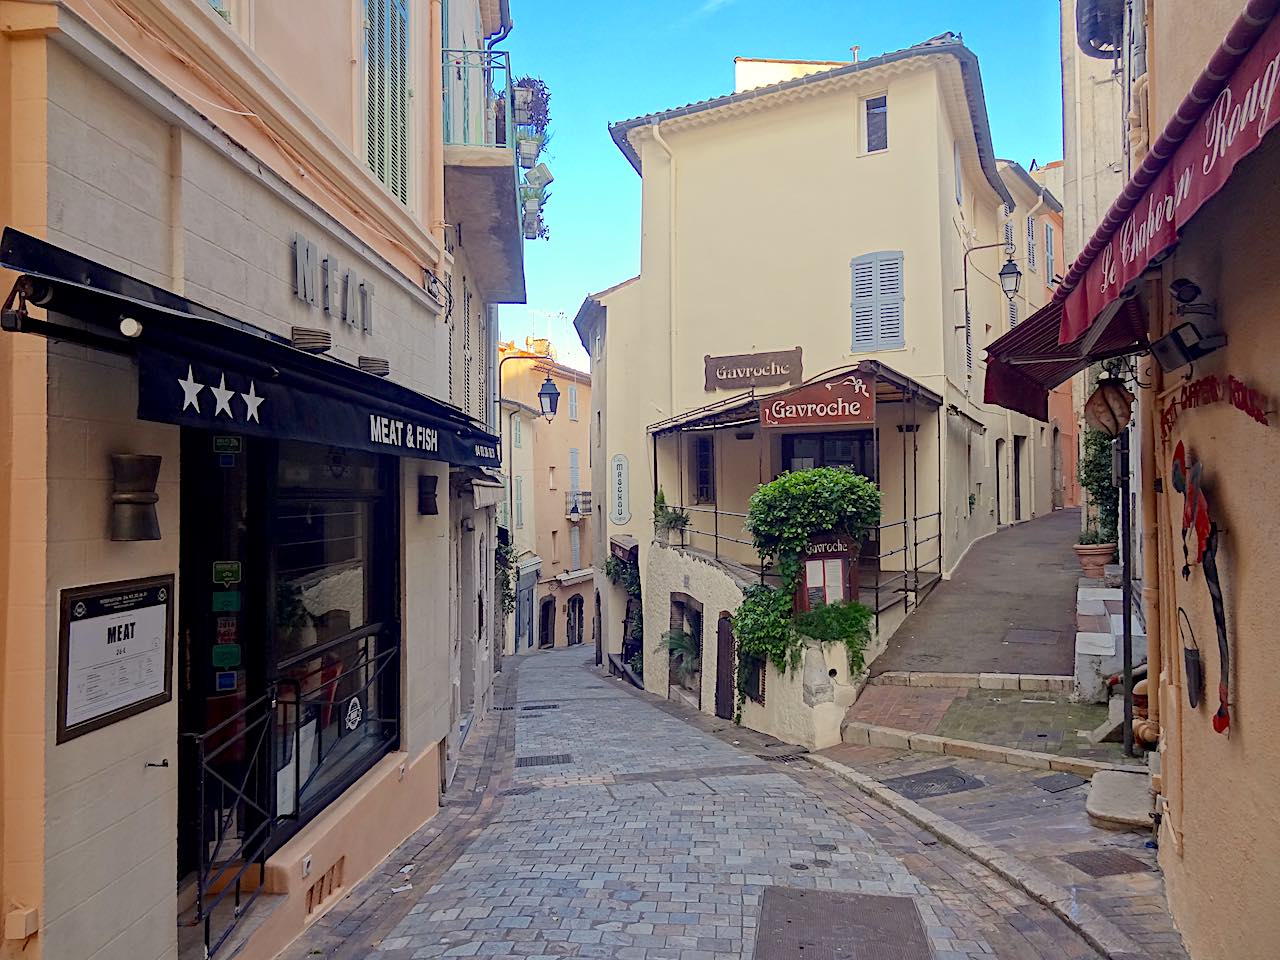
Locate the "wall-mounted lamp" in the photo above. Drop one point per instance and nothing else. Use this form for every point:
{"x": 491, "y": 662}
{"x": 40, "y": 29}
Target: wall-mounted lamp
{"x": 1010, "y": 279}
{"x": 130, "y": 327}
{"x": 427, "y": 505}
{"x": 1183, "y": 345}
{"x": 549, "y": 398}
{"x": 133, "y": 497}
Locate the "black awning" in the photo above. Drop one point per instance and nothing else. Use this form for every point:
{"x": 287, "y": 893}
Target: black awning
{"x": 198, "y": 367}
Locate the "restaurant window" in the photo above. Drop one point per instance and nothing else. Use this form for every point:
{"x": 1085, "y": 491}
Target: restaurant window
{"x": 386, "y": 53}
{"x": 335, "y": 648}
{"x": 704, "y": 470}
{"x": 854, "y": 450}
{"x": 878, "y": 302}
{"x": 876, "y": 124}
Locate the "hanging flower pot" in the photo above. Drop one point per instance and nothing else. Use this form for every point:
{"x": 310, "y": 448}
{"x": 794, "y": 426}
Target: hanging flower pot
{"x": 532, "y": 227}
{"x": 532, "y": 207}
{"x": 529, "y": 148}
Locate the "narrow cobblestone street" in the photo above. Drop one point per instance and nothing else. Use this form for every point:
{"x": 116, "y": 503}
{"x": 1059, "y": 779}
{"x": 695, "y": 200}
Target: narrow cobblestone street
{"x": 627, "y": 832}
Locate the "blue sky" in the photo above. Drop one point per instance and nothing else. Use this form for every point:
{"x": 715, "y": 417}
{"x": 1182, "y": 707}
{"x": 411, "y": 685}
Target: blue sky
{"x": 606, "y": 61}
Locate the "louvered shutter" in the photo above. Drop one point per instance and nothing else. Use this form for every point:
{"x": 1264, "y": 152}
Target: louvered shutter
{"x": 575, "y": 548}
{"x": 889, "y": 321}
{"x": 1050, "y": 267}
{"x": 519, "y": 499}
{"x": 575, "y": 476}
{"x": 387, "y": 93}
{"x": 573, "y": 401}
{"x": 864, "y": 304}
{"x": 1013, "y": 314}
{"x": 1031, "y": 243}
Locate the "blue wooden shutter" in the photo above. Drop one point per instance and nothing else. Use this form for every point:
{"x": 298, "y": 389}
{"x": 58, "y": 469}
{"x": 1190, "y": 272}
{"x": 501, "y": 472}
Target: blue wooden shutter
{"x": 575, "y": 548}
{"x": 575, "y": 475}
{"x": 890, "y": 332}
{"x": 864, "y": 304}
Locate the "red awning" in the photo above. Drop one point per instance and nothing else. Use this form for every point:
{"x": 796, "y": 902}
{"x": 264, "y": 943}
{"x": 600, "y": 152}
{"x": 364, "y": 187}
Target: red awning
{"x": 1028, "y": 362}
{"x": 1231, "y": 108}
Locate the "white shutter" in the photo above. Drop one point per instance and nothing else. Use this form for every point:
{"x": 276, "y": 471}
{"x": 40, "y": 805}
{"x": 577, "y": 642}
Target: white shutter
{"x": 1031, "y": 243}
{"x": 1013, "y": 314}
{"x": 573, "y": 401}
{"x": 1008, "y": 234}
{"x": 864, "y": 304}
{"x": 575, "y": 548}
{"x": 890, "y": 296}
{"x": 575, "y": 476}
{"x": 1050, "y": 268}
{"x": 517, "y": 431}
{"x": 519, "y": 499}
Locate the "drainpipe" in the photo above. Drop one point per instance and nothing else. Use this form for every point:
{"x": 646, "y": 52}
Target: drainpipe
{"x": 1149, "y": 418}
{"x": 435, "y": 96}
{"x": 671, "y": 199}
{"x": 507, "y": 26}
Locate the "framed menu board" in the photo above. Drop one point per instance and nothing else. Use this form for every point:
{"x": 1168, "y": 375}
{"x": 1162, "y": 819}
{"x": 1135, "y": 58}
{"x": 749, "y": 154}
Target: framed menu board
{"x": 115, "y": 653}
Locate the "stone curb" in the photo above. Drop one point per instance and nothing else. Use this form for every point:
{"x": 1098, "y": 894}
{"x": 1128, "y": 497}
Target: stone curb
{"x": 1100, "y": 933}
{"x": 870, "y": 735}
{"x": 1025, "y": 682}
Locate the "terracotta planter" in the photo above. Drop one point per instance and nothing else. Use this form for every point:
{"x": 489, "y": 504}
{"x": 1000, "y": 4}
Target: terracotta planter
{"x": 1094, "y": 558}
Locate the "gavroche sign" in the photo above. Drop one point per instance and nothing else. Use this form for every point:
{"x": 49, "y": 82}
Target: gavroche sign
{"x": 754, "y": 370}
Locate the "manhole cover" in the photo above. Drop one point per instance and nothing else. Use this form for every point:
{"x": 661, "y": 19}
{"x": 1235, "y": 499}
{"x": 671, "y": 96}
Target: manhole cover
{"x": 519, "y": 791}
{"x": 822, "y": 863}
{"x": 545, "y": 760}
{"x": 827, "y": 847}
{"x": 933, "y": 783}
{"x": 542, "y": 706}
{"x": 1058, "y": 782}
{"x": 1105, "y": 863}
{"x": 1045, "y": 638}
{"x": 823, "y": 925}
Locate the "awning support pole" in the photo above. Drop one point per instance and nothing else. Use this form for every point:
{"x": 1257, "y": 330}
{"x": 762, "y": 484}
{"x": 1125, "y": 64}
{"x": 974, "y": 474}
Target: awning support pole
{"x": 1126, "y": 585}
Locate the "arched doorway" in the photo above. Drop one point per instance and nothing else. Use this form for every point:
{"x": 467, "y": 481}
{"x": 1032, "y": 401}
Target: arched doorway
{"x": 547, "y": 624}
{"x": 573, "y": 620}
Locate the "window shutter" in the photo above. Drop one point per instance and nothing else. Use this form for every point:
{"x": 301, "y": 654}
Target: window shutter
{"x": 1013, "y": 314}
{"x": 519, "y": 499}
{"x": 387, "y": 93}
{"x": 889, "y": 325}
{"x": 864, "y": 304}
{"x": 1050, "y": 268}
{"x": 575, "y": 476}
{"x": 517, "y": 431}
{"x": 573, "y": 401}
{"x": 575, "y": 548}
{"x": 1031, "y": 243}
{"x": 1008, "y": 234}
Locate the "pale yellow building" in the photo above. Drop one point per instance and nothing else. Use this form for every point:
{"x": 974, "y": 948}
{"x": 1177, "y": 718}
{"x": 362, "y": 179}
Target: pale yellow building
{"x": 248, "y": 453}
{"x": 826, "y": 223}
{"x": 550, "y": 499}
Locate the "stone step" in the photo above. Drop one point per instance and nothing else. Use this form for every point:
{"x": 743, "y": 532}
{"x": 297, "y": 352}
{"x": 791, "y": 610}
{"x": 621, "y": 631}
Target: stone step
{"x": 1119, "y": 800}
{"x": 1111, "y": 730}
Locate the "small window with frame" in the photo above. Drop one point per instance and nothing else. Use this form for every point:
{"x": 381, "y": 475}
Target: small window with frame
{"x": 753, "y": 679}
{"x": 875, "y": 124}
{"x": 704, "y": 470}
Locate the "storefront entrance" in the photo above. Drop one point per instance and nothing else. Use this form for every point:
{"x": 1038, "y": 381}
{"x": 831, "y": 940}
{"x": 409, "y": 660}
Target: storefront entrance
{"x": 289, "y": 647}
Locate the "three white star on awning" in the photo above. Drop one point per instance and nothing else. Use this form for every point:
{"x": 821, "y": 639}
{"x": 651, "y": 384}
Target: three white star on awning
{"x": 191, "y": 390}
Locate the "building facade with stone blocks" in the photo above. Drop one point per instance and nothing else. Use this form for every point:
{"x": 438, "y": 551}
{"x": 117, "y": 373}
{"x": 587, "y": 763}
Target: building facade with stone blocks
{"x": 248, "y": 455}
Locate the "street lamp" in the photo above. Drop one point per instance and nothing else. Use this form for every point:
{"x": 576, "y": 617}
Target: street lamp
{"x": 1010, "y": 279}
{"x": 549, "y": 398}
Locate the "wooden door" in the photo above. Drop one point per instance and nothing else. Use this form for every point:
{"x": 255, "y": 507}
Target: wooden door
{"x": 725, "y": 668}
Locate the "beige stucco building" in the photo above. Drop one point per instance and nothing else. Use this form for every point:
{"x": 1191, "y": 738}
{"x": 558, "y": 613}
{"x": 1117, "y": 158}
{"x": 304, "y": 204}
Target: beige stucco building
{"x": 883, "y": 181}
{"x": 550, "y": 500}
{"x": 248, "y": 454}
{"x": 1173, "y": 283}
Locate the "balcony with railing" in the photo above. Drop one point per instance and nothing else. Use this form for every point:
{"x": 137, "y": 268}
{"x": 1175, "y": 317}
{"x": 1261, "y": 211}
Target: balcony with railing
{"x": 577, "y": 504}
{"x": 481, "y": 168}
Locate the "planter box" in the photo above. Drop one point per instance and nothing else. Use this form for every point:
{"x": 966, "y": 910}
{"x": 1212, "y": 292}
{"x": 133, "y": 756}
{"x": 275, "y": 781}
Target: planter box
{"x": 528, "y": 151}
{"x": 523, "y": 103}
{"x": 532, "y": 227}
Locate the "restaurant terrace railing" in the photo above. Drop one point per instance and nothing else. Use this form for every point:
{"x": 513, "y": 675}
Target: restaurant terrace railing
{"x": 479, "y": 106}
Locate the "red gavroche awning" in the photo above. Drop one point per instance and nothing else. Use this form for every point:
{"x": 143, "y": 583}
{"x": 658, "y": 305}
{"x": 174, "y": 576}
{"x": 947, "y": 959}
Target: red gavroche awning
{"x": 1231, "y": 108}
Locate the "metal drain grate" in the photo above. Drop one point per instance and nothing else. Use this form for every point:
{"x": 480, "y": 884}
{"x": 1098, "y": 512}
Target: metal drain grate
{"x": 822, "y": 925}
{"x": 782, "y": 757}
{"x": 1044, "y": 638}
{"x": 1105, "y": 863}
{"x": 933, "y": 783}
{"x": 504, "y": 708}
{"x": 544, "y": 760}
{"x": 542, "y": 706}
{"x": 1059, "y": 782}
{"x": 519, "y": 791}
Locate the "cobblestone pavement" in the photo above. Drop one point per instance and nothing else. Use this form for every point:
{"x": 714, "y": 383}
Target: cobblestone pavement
{"x": 637, "y": 830}
{"x": 1040, "y": 818}
{"x": 1043, "y": 722}
{"x": 1025, "y": 576}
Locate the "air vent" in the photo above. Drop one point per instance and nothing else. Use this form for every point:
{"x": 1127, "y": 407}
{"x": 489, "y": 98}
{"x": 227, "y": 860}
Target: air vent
{"x": 311, "y": 339}
{"x": 375, "y": 365}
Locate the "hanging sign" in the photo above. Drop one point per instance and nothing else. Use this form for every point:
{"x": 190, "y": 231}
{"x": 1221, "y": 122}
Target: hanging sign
{"x": 619, "y": 489}
{"x": 841, "y": 401}
{"x": 115, "y": 653}
{"x": 226, "y": 572}
{"x": 754, "y": 370}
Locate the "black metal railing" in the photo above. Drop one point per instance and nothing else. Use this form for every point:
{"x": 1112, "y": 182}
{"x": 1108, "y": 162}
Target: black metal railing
{"x": 236, "y": 815}
{"x": 334, "y": 698}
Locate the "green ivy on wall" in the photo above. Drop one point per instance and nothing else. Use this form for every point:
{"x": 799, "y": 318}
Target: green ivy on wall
{"x": 1096, "y": 477}
{"x": 783, "y": 517}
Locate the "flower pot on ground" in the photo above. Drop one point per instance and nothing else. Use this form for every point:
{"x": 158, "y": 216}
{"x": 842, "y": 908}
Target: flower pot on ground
{"x": 1094, "y": 558}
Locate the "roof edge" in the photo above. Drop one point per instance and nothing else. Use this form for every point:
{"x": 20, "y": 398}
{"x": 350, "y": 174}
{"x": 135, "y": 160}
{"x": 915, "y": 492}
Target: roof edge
{"x": 1043, "y": 192}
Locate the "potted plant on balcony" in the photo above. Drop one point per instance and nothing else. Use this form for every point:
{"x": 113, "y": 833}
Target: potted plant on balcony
{"x": 532, "y": 104}
{"x": 529, "y": 147}
{"x": 667, "y": 519}
{"x": 1097, "y": 545}
{"x": 532, "y": 199}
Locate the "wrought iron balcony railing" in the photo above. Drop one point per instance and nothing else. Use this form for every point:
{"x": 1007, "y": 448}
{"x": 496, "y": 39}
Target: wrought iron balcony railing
{"x": 479, "y": 107}
{"x": 577, "y": 504}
